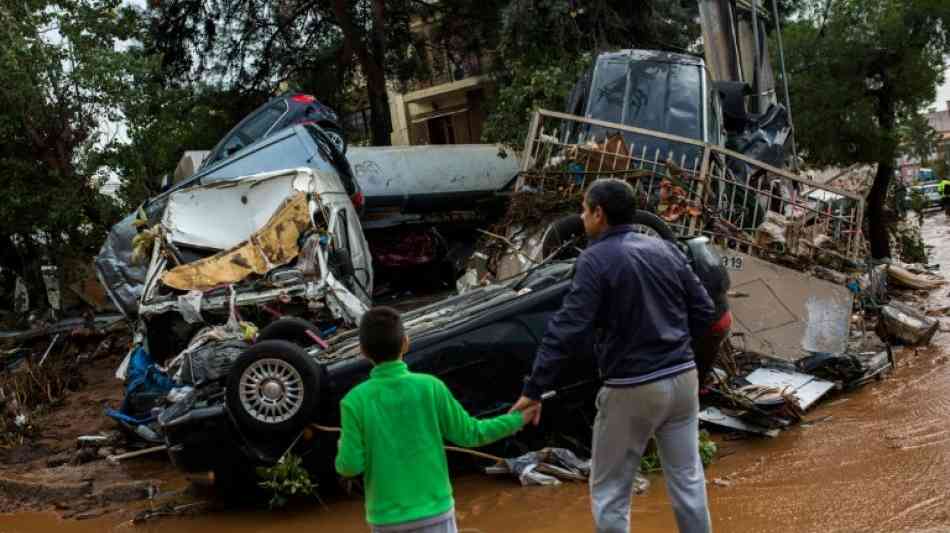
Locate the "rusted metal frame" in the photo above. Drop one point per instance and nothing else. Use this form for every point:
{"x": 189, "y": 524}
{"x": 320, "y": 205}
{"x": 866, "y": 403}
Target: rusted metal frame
{"x": 758, "y": 189}
{"x": 529, "y": 142}
{"x": 769, "y": 194}
{"x": 858, "y": 235}
{"x": 775, "y": 170}
{"x": 825, "y": 220}
{"x": 685, "y": 140}
{"x": 700, "y": 188}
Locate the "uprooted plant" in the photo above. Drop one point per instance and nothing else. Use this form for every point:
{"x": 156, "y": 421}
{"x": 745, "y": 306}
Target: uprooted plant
{"x": 286, "y": 479}
{"x": 650, "y": 462}
{"x": 29, "y": 388}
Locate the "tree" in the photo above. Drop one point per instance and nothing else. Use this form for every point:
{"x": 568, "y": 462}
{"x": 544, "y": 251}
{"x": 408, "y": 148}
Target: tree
{"x": 64, "y": 72}
{"x": 858, "y": 69}
{"x": 257, "y": 46}
{"x": 530, "y": 74}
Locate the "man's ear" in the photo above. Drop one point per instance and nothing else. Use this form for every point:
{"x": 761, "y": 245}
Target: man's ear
{"x": 405, "y": 344}
{"x": 599, "y": 214}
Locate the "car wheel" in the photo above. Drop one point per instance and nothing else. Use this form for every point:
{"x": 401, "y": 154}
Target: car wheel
{"x": 564, "y": 236}
{"x": 336, "y": 137}
{"x": 273, "y": 387}
{"x": 293, "y": 329}
{"x": 647, "y": 223}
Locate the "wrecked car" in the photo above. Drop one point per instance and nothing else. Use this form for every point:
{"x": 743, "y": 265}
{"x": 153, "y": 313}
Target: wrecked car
{"x": 257, "y": 247}
{"x": 300, "y": 146}
{"x": 275, "y": 115}
{"x": 481, "y": 343}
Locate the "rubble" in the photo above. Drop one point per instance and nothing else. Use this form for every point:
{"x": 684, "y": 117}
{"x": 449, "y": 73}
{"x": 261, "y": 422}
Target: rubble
{"x": 907, "y": 324}
{"x": 545, "y": 467}
{"x": 288, "y": 243}
{"x": 918, "y": 281}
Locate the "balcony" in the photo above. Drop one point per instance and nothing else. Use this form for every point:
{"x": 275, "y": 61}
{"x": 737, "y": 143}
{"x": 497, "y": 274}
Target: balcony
{"x": 445, "y": 69}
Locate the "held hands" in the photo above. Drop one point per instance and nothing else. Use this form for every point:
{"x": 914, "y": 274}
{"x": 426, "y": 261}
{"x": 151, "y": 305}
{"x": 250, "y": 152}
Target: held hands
{"x": 530, "y": 410}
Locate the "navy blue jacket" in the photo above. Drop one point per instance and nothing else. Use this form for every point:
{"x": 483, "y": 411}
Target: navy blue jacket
{"x": 636, "y": 298}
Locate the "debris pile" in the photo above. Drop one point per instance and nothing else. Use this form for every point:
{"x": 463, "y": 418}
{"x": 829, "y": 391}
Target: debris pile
{"x": 41, "y": 365}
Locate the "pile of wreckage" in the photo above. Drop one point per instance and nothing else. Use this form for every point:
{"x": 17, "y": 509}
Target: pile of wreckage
{"x": 286, "y": 255}
{"x": 289, "y": 242}
{"x": 810, "y": 315}
{"x": 41, "y": 365}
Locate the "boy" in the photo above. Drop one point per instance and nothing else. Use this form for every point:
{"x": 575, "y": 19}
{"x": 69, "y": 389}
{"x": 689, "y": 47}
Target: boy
{"x": 393, "y": 426}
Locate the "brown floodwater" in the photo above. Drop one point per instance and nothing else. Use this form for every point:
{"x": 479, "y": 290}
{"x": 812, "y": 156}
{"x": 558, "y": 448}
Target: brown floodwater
{"x": 877, "y": 459}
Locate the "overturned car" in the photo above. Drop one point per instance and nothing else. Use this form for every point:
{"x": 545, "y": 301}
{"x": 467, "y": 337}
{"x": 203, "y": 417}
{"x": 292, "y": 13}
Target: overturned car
{"x": 286, "y": 384}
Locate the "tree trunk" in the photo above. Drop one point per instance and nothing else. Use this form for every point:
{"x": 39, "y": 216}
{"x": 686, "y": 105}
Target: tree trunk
{"x": 372, "y": 59}
{"x": 380, "y": 116}
{"x": 877, "y": 224}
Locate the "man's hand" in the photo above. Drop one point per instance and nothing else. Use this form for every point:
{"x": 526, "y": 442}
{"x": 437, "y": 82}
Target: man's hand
{"x": 530, "y": 410}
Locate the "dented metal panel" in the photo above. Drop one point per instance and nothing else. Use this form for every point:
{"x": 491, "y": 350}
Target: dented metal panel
{"x": 273, "y": 246}
{"x": 804, "y": 388}
{"x": 407, "y": 175}
{"x": 224, "y": 214}
{"x": 784, "y": 313}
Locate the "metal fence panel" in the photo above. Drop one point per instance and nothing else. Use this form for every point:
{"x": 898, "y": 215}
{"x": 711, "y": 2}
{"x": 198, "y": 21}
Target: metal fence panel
{"x": 697, "y": 188}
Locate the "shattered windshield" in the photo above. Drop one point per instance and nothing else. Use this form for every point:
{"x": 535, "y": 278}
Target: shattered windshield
{"x": 607, "y": 96}
{"x": 654, "y": 95}
{"x": 665, "y": 97}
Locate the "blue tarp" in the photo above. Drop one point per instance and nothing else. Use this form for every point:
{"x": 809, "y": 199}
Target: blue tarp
{"x": 145, "y": 386}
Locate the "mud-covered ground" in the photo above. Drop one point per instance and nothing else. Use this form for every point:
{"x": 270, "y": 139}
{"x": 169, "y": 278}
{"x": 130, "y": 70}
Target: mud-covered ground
{"x": 876, "y": 459}
{"x": 48, "y": 471}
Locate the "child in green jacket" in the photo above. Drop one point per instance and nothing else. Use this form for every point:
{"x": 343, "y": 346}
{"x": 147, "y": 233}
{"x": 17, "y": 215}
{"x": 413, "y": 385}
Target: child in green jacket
{"x": 393, "y": 428}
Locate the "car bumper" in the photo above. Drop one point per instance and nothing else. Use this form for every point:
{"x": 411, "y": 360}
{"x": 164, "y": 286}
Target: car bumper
{"x": 197, "y": 439}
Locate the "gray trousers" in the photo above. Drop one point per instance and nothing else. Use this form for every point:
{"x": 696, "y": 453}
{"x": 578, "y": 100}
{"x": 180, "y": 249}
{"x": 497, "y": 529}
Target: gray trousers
{"x": 626, "y": 419}
{"x": 443, "y": 523}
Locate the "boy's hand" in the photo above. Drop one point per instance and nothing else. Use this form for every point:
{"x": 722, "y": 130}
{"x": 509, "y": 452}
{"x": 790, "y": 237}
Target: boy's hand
{"x": 530, "y": 410}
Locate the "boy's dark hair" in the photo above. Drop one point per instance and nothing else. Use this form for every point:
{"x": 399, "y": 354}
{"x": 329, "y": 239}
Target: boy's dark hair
{"x": 615, "y": 197}
{"x": 381, "y": 334}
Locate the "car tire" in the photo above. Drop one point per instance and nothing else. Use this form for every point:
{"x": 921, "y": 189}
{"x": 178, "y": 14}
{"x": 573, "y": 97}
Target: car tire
{"x": 292, "y": 329}
{"x": 274, "y": 386}
{"x": 336, "y": 136}
{"x": 654, "y": 223}
{"x": 563, "y": 231}
{"x": 571, "y": 227}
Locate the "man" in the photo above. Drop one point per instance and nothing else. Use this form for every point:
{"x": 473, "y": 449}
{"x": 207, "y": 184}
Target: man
{"x": 636, "y": 298}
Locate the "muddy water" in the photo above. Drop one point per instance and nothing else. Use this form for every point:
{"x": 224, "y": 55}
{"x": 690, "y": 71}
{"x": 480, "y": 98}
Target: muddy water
{"x": 874, "y": 460}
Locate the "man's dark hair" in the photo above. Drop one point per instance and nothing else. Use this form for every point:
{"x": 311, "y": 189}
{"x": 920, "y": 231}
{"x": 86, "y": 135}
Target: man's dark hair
{"x": 615, "y": 197}
{"x": 381, "y": 334}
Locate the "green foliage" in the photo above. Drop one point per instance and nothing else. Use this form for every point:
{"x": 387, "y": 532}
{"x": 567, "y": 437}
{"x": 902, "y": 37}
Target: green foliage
{"x": 66, "y": 66}
{"x": 650, "y": 462}
{"x": 850, "y": 61}
{"x": 915, "y": 136}
{"x": 544, "y": 46}
{"x": 530, "y": 88}
{"x": 707, "y": 448}
{"x": 859, "y": 70}
{"x": 287, "y": 479}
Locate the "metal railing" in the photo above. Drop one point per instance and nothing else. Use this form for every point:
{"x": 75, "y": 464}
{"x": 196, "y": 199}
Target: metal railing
{"x": 696, "y": 187}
